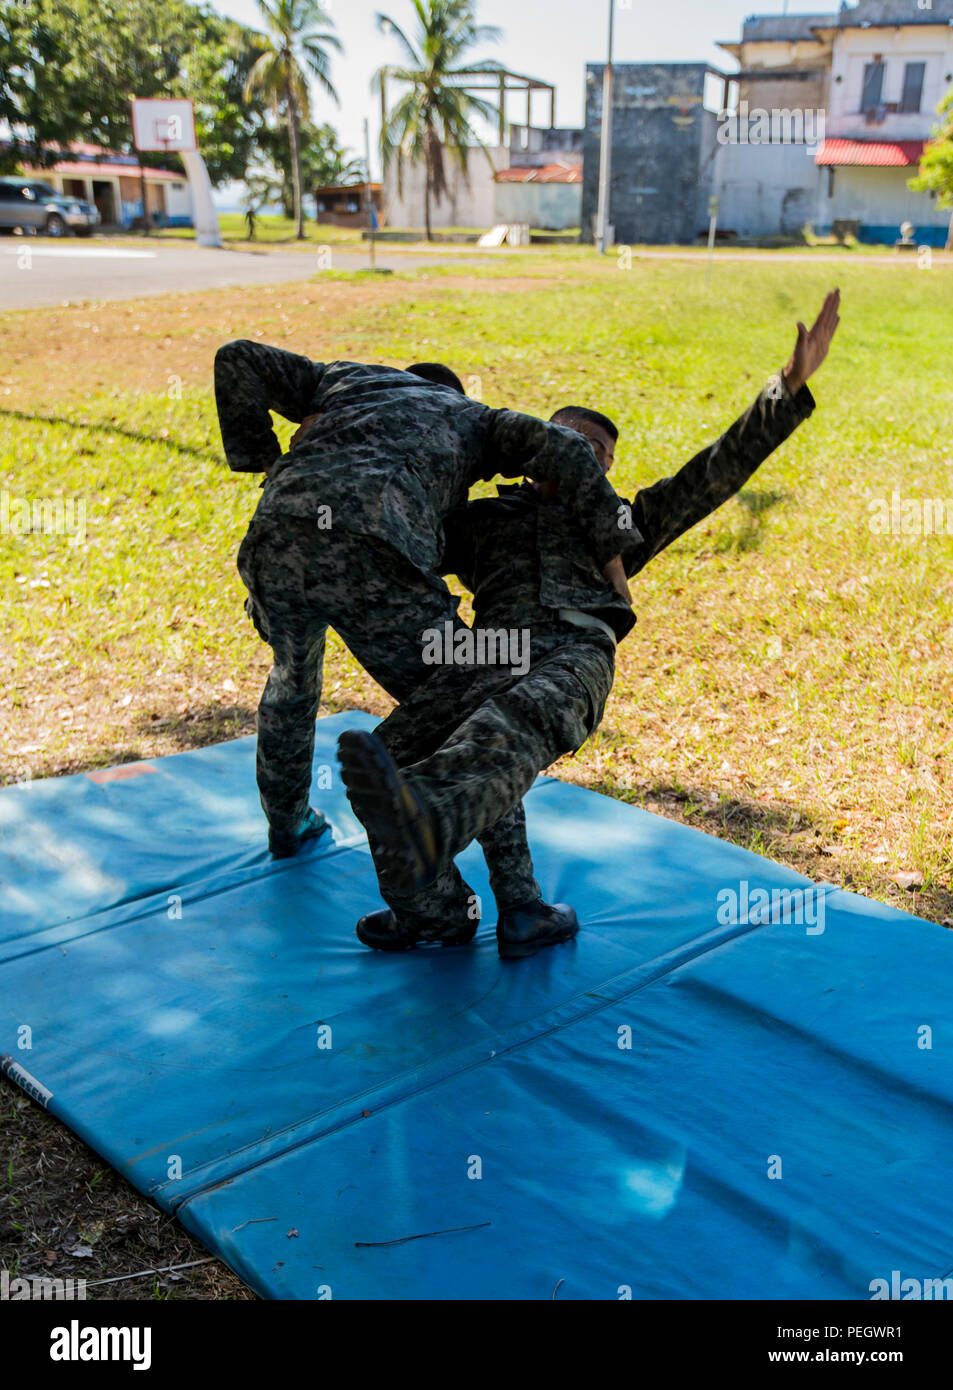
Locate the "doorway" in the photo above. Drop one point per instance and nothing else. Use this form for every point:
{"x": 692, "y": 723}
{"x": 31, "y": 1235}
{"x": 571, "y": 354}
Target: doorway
{"x": 104, "y": 196}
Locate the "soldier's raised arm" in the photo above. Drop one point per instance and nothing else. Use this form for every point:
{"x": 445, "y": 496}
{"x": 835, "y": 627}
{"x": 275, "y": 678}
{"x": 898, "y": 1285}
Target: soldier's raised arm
{"x": 669, "y": 508}
{"x": 252, "y": 379}
{"x": 519, "y": 445}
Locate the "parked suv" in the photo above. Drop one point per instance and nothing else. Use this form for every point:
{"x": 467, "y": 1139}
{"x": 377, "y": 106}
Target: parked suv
{"x": 36, "y": 207}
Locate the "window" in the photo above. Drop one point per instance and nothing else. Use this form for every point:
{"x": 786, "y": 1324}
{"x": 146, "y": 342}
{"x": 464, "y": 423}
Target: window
{"x": 873, "y": 86}
{"x": 912, "y": 86}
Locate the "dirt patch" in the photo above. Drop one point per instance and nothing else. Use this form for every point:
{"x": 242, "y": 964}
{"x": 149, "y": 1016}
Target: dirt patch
{"x": 138, "y": 344}
{"x": 154, "y": 344}
{"x": 65, "y": 1214}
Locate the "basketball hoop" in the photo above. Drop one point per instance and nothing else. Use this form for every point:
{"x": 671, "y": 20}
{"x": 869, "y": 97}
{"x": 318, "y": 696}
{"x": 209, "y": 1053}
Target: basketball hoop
{"x": 167, "y": 125}
{"x": 163, "y": 124}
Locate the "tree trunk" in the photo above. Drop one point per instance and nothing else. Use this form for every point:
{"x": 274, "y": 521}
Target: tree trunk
{"x": 295, "y": 164}
{"x": 427, "y": 200}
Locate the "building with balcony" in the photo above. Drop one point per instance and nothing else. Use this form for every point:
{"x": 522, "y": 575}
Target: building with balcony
{"x": 865, "y": 84}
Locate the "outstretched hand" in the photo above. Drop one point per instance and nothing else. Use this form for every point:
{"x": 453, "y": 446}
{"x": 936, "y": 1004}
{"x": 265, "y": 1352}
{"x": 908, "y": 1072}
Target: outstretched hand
{"x": 811, "y": 347}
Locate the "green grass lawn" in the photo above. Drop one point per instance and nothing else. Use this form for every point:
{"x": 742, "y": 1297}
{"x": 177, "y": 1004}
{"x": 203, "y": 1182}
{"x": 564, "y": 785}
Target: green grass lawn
{"x": 789, "y": 682}
{"x": 269, "y": 231}
{"x": 280, "y": 231}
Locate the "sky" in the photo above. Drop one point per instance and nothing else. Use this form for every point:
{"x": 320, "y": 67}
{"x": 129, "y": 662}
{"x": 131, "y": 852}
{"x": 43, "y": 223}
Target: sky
{"x": 547, "y": 39}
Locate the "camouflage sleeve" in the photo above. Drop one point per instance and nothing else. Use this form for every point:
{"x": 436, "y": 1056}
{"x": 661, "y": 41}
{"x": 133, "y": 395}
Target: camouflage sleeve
{"x": 672, "y": 506}
{"x": 252, "y": 379}
{"x": 518, "y": 445}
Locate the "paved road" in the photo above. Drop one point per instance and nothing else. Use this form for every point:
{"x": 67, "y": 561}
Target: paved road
{"x": 38, "y": 271}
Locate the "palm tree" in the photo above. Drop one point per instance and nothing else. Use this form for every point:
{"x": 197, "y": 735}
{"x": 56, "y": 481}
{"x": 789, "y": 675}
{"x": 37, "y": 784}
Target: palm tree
{"x": 298, "y": 38}
{"x": 435, "y": 115}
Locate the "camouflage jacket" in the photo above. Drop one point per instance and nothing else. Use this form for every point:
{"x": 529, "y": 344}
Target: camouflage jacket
{"x": 391, "y": 454}
{"x": 523, "y": 559}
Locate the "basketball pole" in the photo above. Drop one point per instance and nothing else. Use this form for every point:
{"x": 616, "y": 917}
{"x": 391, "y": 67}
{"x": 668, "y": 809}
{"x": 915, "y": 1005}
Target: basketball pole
{"x": 204, "y": 216}
{"x": 207, "y": 230}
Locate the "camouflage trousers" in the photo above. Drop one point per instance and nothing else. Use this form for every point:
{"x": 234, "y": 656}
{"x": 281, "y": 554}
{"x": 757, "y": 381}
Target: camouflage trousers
{"x": 471, "y": 741}
{"x": 301, "y": 581}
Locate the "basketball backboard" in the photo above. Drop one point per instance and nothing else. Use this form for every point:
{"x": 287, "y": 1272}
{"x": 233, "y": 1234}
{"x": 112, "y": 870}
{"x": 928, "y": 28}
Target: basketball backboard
{"x": 162, "y": 124}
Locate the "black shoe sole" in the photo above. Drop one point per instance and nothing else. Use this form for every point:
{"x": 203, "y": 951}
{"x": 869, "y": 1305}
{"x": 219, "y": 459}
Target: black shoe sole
{"x": 519, "y": 951}
{"x": 404, "y": 844}
{"x": 393, "y": 946}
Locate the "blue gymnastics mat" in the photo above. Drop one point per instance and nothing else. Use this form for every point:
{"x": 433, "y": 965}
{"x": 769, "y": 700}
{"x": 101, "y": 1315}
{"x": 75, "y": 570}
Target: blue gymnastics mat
{"x": 683, "y": 1103}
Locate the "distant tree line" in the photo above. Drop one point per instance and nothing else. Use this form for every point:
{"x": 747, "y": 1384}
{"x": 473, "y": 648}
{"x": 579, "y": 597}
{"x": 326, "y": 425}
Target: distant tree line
{"x": 69, "y": 67}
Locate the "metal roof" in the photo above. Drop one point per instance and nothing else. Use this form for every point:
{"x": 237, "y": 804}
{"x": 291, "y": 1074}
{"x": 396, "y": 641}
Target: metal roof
{"x": 878, "y": 153}
{"x": 541, "y": 173}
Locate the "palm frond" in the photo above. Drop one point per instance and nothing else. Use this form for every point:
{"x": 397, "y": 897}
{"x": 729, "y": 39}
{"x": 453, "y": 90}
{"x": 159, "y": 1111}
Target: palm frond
{"x": 264, "y": 76}
{"x": 433, "y": 120}
{"x": 319, "y": 64}
{"x": 386, "y": 24}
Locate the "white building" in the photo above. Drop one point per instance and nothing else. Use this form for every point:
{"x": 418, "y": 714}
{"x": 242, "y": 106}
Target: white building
{"x": 113, "y": 183}
{"x": 864, "y": 84}
{"x": 536, "y": 179}
{"x": 468, "y": 202}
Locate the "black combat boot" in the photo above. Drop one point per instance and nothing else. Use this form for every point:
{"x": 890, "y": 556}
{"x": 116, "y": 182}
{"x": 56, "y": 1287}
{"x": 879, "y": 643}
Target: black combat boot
{"x": 400, "y": 829}
{"x": 384, "y": 931}
{"x": 524, "y": 930}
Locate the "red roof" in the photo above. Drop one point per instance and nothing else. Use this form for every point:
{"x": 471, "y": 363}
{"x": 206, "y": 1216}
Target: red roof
{"x": 544, "y": 173}
{"x": 882, "y": 153}
{"x": 113, "y": 164}
{"x": 98, "y": 171}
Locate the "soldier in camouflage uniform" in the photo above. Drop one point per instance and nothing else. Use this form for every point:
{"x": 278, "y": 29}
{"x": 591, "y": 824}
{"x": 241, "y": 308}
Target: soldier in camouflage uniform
{"x": 348, "y": 534}
{"x": 468, "y": 744}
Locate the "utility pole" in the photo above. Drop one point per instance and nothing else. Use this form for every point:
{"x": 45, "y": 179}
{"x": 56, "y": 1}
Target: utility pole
{"x": 713, "y": 205}
{"x": 368, "y": 195}
{"x": 605, "y": 150}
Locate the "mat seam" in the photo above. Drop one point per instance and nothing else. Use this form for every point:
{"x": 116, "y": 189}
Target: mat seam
{"x": 684, "y": 956}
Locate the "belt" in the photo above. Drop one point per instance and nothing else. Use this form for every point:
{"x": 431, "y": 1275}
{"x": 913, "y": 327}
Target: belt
{"x": 580, "y": 619}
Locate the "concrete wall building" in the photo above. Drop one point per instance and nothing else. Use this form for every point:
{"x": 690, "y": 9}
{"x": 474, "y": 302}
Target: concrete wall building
{"x": 469, "y": 202}
{"x": 548, "y": 196}
{"x": 663, "y": 143}
{"x": 822, "y": 126}
{"x": 766, "y": 190}
{"x": 536, "y": 178}
{"x": 543, "y": 184}
{"x": 541, "y": 145}
{"x": 869, "y": 79}
{"x": 782, "y": 61}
